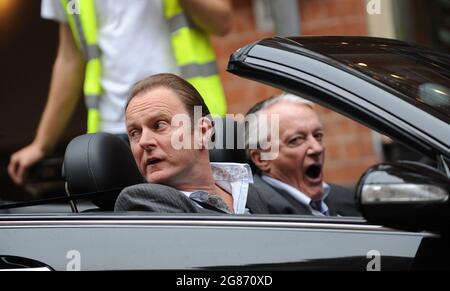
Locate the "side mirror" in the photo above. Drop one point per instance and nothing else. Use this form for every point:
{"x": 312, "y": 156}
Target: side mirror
{"x": 405, "y": 195}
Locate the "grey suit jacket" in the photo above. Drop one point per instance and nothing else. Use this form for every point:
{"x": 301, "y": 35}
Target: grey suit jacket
{"x": 339, "y": 201}
{"x": 164, "y": 199}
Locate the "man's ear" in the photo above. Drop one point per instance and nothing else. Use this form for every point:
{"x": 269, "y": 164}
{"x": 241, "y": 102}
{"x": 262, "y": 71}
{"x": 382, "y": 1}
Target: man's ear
{"x": 205, "y": 131}
{"x": 263, "y": 165}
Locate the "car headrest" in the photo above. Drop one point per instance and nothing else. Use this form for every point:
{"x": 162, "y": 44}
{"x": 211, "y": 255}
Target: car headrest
{"x": 229, "y": 141}
{"x": 99, "y": 162}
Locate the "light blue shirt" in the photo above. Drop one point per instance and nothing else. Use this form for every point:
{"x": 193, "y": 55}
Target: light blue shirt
{"x": 235, "y": 179}
{"x": 299, "y": 195}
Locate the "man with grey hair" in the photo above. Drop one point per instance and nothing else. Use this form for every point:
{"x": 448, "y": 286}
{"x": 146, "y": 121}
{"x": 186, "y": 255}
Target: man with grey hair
{"x": 291, "y": 181}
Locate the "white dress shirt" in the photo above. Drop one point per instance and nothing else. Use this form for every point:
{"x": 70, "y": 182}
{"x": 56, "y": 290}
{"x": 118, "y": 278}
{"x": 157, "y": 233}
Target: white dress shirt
{"x": 300, "y": 196}
{"x": 233, "y": 178}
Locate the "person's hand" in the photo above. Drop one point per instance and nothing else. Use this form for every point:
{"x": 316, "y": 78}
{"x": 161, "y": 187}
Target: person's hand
{"x": 22, "y": 160}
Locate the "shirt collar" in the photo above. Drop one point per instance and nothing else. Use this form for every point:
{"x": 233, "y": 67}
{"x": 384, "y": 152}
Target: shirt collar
{"x": 233, "y": 178}
{"x": 299, "y": 195}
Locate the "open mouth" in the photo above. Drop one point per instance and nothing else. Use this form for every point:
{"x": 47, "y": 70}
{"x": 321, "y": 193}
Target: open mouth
{"x": 153, "y": 161}
{"x": 314, "y": 172}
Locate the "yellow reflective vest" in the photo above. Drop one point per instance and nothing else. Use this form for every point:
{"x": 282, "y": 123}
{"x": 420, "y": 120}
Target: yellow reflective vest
{"x": 191, "y": 48}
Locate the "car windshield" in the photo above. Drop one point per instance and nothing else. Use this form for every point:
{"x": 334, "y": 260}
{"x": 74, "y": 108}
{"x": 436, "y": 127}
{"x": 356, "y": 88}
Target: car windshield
{"x": 421, "y": 76}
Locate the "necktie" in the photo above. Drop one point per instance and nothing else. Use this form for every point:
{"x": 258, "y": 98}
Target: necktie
{"x": 211, "y": 202}
{"x": 317, "y": 205}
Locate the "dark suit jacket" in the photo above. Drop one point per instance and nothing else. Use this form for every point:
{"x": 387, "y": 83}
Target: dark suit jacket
{"x": 164, "y": 199}
{"x": 340, "y": 200}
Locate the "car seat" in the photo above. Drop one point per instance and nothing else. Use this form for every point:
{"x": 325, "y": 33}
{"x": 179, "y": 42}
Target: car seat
{"x": 228, "y": 141}
{"x": 99, "y": 164}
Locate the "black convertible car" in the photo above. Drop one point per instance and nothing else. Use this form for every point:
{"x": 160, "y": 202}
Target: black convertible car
{"x": 397, "y": 89}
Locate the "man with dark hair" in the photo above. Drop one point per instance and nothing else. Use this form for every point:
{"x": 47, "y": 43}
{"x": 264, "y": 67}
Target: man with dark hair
{"x": 291, "y": 182}
{"x": 181, "y": 178}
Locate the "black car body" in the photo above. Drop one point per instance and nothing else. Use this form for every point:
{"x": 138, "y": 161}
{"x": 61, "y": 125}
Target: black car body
{"x": 384, "y": 84}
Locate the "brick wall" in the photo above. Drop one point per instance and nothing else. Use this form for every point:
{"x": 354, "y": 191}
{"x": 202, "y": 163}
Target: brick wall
{"x": 349, "y": 145}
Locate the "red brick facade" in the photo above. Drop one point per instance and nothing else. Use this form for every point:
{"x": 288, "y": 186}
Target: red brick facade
{"x": 349, "y": 146}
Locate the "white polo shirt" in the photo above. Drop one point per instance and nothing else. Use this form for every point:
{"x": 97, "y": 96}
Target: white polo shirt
{"x": 134, "y": 40}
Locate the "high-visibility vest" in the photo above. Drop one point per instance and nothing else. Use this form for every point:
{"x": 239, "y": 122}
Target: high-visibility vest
{"x": 191, "y": 48}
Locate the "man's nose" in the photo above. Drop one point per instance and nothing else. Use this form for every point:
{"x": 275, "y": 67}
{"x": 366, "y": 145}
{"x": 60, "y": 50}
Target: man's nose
{"x": 315, "y": 146}
{"x": 147, "y": 140}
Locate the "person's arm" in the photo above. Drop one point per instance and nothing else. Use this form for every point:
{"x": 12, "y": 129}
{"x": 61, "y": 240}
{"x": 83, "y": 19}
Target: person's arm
{"x": 214, "y": 16}
{"x": 65, "y": 89}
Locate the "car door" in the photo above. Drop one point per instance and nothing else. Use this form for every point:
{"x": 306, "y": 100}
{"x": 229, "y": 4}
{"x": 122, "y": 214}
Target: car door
{"x": 164, "y": 242}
